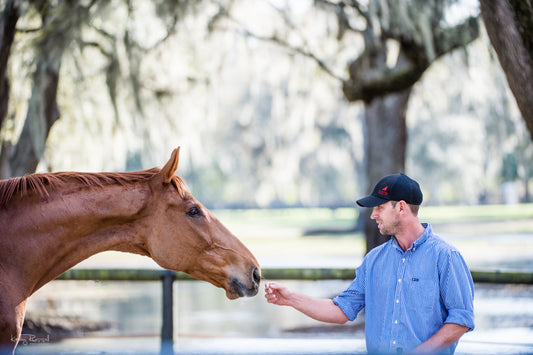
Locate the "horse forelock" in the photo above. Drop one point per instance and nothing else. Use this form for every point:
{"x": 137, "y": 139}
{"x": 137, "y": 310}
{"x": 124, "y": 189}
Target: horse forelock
{"x": 44, "y": 184}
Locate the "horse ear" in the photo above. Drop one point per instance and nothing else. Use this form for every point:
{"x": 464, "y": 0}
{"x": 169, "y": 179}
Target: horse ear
{"x": 171, "y": 166}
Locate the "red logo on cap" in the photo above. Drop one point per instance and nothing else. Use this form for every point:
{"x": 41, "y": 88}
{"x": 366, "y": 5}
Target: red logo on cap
{"x": 384, "y": 191}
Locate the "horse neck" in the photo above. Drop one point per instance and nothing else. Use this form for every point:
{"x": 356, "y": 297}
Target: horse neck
{"x": 49, "y": 237}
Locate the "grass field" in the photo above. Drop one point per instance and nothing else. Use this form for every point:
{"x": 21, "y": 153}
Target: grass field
{"x": 478, "y": 213}
{"x": 263, "y": 222}
{"x": 313, "y": 217}
{"x": 486, "y": 235}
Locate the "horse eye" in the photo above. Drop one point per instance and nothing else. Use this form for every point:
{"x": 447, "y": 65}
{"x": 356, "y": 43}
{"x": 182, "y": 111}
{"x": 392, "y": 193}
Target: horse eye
{"x": 194, "y": 212}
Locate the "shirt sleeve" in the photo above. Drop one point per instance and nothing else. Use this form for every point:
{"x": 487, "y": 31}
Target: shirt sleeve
{"x": 457, "y": 290}
{"x": 352, "y": 300}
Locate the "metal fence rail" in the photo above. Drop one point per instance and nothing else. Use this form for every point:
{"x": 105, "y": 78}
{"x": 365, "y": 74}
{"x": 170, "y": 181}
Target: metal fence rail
{"x": 306, "y": 274}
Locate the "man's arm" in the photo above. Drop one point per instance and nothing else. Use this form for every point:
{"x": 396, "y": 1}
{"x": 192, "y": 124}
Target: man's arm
{"x": 320, "y": 309}
{"x": 445, "y": 337}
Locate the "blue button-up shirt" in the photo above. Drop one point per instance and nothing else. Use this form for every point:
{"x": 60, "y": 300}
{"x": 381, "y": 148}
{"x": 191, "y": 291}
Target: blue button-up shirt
{"x": 409, "y": 295}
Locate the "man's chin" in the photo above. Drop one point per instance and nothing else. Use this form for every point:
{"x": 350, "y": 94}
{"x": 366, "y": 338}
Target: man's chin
{"x": 383, "y": 232}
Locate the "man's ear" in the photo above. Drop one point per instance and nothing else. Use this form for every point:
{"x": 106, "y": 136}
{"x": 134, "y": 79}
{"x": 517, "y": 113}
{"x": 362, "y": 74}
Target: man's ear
{"x": 402, "y": 206}
{"x": 170, "y": 167}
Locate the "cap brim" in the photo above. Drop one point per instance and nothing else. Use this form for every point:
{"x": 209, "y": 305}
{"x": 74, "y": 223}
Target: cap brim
{"x": 371, "y": 201}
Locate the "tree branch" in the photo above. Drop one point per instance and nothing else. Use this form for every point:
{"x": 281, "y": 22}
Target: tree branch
{"x": 342, "y": 18}
{"x": 224, "y": 12}
{"x": 456, "y": 37}
{"x": 370, "y": 78}
{"x": 301, "y": 51}
{"x": 367, "y": 83}
{"x": 359, "y": 8}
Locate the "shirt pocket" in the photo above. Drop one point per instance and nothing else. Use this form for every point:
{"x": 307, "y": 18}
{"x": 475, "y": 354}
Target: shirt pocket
{"x": 421, "y": 294}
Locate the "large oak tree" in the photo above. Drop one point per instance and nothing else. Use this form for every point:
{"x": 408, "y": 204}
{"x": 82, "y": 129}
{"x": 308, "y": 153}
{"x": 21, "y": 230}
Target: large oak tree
{"x": 422, "y": 35}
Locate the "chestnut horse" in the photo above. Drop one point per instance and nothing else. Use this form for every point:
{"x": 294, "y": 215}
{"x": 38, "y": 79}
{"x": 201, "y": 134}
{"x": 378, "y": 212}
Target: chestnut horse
{"x": 50, "y": 222}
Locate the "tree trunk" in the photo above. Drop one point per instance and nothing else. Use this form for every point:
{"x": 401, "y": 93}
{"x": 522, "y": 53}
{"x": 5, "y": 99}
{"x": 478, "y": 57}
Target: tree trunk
{"x": 42, "y": 114}
{"x": 385, "y": 145}
{"x": 509, "y": 25}
{"x": 59, "y": 26}
{"x": 8, "y": 23}
{"x": 385, "y": 121}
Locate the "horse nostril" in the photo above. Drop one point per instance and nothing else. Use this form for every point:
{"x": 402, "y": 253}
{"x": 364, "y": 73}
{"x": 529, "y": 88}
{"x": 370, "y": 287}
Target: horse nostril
{"x": 256, "y": 276}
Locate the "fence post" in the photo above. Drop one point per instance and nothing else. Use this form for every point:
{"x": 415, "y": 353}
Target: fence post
{"x": 167, "y": 330}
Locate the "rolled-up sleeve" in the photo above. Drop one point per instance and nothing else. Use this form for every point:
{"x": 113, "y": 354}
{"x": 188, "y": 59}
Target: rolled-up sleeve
{"x": 457, "y": 290}
{"x": 352, "y": 300}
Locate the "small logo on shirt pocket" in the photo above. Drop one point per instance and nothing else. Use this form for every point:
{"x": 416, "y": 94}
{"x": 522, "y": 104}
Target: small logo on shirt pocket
{"x": 414, "y": 279}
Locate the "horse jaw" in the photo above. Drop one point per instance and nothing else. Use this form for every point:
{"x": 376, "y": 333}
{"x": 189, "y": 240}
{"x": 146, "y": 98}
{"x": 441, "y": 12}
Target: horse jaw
{"x": 235, "y": 282}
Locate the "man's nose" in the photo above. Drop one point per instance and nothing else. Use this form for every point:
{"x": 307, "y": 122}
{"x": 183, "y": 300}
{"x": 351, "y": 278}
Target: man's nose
{"x": 374, "y": 214}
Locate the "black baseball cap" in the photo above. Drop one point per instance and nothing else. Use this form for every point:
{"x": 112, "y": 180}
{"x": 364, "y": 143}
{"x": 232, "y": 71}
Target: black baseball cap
{"x": 397, "y": 187}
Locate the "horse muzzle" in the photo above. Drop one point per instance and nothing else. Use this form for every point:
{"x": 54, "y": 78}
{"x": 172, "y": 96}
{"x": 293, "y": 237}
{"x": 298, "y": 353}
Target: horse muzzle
{"x": 244, "y": 288}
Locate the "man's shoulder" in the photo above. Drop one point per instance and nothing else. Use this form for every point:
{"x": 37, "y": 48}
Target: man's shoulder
{"x": 440, "y": 244}
{"x": 379, "y": 250}
{"x": 442, "y": 250}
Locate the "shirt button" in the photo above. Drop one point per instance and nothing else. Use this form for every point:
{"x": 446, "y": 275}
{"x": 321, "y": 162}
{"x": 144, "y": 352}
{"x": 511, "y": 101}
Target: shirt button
{"x": 397, "y": 301}
{"x": 403, "y": 260}
{"x": 395, "y": 322}
{"x": 394, "y": 342}
{"x": 399, "y": 280}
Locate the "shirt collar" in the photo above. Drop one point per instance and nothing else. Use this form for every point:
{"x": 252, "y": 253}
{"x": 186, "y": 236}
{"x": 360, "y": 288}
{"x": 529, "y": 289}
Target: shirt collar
{"x": 417, "y": 243}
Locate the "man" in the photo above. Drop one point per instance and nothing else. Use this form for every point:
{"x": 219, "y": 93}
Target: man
{"x": 416, "y": 289}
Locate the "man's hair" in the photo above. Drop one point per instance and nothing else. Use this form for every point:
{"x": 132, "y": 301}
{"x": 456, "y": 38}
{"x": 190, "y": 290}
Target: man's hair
{"x": 414, "y": 208}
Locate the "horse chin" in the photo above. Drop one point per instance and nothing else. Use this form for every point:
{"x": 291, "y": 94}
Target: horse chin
{"x": 230, "y": 294}
{"x": 233, "y": 286}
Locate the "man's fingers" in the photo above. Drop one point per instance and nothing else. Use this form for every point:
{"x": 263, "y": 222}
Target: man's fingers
{"x": 271, "y": 285}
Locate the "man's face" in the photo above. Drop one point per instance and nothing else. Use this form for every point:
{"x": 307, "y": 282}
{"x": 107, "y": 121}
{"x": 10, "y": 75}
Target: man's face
{"x": 387, "y": 218}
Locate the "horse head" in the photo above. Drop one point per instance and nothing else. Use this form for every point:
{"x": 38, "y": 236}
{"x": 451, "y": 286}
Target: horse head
{"x": 185, "y": 236}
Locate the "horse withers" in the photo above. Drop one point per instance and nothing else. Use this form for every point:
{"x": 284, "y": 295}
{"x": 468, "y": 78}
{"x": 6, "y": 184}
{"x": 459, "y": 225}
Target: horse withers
{"x": 50, "y": 222}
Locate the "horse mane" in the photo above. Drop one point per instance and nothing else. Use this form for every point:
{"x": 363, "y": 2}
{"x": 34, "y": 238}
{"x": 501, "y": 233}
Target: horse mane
{"x": 43, "y": 184}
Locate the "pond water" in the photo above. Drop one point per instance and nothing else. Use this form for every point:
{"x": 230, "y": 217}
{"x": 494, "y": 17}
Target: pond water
{"x": 206, "y": 322}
